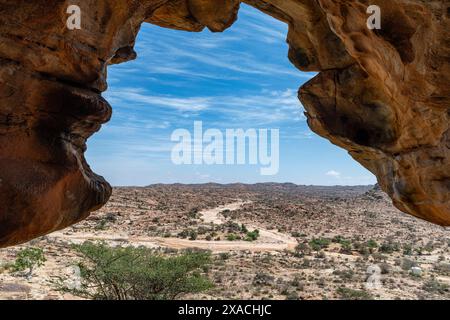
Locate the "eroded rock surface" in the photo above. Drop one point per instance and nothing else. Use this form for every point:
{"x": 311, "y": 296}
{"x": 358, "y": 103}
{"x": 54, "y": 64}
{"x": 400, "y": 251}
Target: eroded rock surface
{"x": 381, "y": 94}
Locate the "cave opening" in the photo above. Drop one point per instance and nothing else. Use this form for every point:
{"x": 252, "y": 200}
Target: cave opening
{"x": 380, "y": 95}
{"x": 238, "y": 79}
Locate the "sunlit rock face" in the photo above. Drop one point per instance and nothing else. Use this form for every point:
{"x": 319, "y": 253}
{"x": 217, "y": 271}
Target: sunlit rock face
{"x": 381, "y": 94}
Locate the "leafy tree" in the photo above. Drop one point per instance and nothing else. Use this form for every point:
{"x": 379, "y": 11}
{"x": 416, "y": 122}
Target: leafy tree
{"x": 129, "y": 273}
{"x": 28, "y": 258}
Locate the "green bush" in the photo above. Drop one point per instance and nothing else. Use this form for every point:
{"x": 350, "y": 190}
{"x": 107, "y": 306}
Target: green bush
{"x": 372, "y": 244}
{"x": 317, "y": 244}
{"x": 346, "y": 245}
{"x": 28, "y": 259}
{"x": 129, "y": 273}
{"x": 231, "y": 237}
{"x": 252, "y": 236}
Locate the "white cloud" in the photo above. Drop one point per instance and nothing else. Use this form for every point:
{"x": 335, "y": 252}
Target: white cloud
{"x": 333, "y": 173}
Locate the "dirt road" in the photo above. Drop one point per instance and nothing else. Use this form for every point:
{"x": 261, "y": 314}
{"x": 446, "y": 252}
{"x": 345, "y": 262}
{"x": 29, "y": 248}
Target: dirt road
{"x": 269, "y": 240}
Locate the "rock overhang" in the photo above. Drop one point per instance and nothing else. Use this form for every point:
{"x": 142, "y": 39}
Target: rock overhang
{"x": 383, "y": 95}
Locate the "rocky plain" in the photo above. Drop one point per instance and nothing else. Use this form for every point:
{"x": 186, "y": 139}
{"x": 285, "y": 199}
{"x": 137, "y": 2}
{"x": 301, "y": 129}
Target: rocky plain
{"x": 313, "y": 242}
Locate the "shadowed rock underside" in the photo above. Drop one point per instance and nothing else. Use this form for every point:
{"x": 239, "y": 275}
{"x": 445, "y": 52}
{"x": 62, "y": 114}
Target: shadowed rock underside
{"x": 381, "y": 94}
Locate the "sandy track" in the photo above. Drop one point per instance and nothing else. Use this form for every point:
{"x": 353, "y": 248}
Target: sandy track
{"x": 269, "y": 240}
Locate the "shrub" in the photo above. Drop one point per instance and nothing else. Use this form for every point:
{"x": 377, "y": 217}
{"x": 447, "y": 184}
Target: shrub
{"x": 231, "y": 237}
{"x": 346, "y": 245}
{"x": 372, "y": 244}
{"x": 429, "y": 247}
{"x": 192, "y": 235}
{"x": 352, "y": 294}
{"x": 101, "y": 225}
{"x": 183, "y": 234}
{"x": 125, "y": 273}
{"x": 263, "y": 279}
{"x": 379, "y": 257}
{"x": 389, "y": 247}
{"x": 226, "y": 213}
{"x": 301, "y": 250}
{"x": 252, "y": 236}
{"x": 385, "y": 268}
{"x": 346, "y": 275}
{"x": 435, "y": 286}
{"x": 224, "y": 256}
{"x": 361, "y": 248}
{"x": 306, "y": 263}
{"x": 291, "y": 295}
{"x": 202, "y": 230}
{"x": 443, "y": 268}
{"x": 233, "y": 227}
{"x": 193, "y": 213}
{"x": 317, "y": 244}
{"x": 407, "y": 249}
{"x": 297, "y": 283}
{"x": 407, "y": 264}
{"x": 28, "y": 258}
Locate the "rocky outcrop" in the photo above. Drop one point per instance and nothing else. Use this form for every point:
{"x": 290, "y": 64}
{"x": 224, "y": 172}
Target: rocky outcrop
{"x": 381, "y": 94}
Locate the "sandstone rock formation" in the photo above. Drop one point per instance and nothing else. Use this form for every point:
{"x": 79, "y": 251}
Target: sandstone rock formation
{"x": 383, "y": 95}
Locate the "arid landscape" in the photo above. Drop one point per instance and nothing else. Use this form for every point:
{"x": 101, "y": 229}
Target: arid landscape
{"x": 268, "y": 241}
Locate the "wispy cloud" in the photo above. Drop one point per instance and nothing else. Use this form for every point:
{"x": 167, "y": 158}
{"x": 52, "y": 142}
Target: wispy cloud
{"x": 240, "y": 78}
{"x": 138, "y": 96}
{"x": 263, "y": 108}
{"x": 242, "y": 49}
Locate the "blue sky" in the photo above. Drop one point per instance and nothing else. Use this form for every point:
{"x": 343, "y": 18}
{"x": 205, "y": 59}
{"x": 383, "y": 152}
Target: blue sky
{"x": 240, "y": 78}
